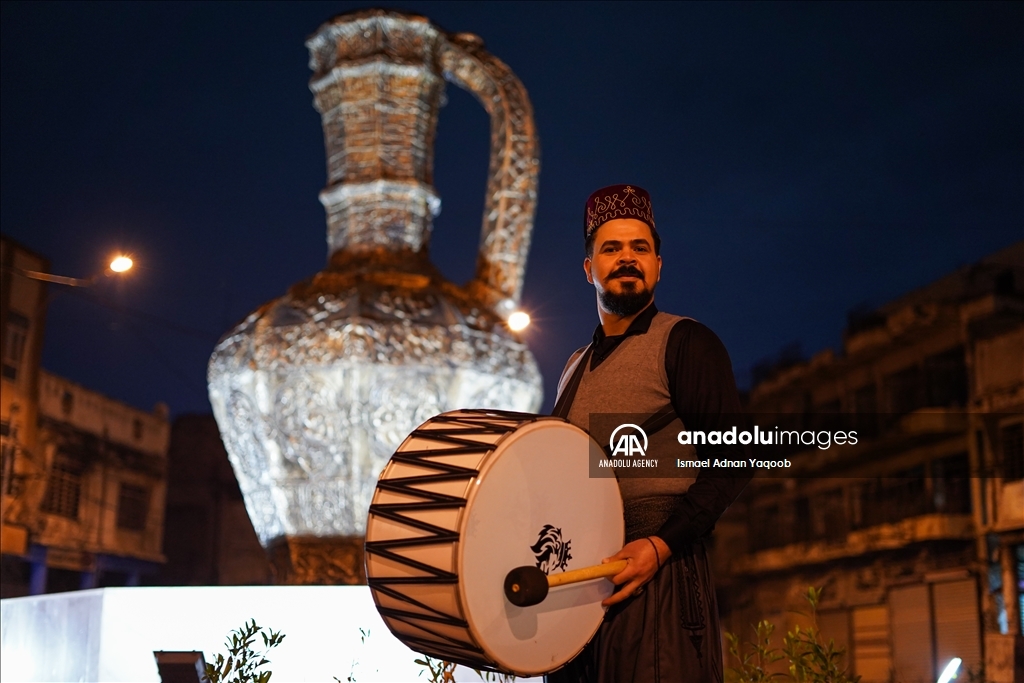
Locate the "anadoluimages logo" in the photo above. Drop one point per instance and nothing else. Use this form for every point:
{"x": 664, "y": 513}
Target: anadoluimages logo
{"x": 628, "y": 443}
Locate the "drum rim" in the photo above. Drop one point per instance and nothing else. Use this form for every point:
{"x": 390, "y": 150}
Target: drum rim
{"x": 519, "y": 421}
{"x": 524, "y": 418}
{"x": 538, "y": 423}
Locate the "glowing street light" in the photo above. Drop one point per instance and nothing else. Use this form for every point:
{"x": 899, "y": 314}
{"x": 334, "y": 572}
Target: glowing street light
{"x": 949, "y": 673}
{"x": 518, "y": 321}
{"x": 121, "y": 264}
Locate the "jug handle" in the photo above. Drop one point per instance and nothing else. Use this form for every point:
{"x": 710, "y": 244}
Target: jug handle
{"x": 511, "y": 199}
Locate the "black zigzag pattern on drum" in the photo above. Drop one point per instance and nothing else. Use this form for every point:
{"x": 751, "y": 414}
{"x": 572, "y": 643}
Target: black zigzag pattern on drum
{"x": 464, "y": 424}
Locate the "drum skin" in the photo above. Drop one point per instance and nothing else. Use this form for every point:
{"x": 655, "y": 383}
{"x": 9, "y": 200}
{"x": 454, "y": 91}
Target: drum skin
{"x": 469, "y": 496}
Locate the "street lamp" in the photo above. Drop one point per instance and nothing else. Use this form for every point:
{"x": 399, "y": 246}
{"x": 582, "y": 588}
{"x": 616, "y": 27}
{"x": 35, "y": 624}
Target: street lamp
{"x": 949, "y": 673}
{"x": 119, "y": 265}
{"x": 518, "y": 321}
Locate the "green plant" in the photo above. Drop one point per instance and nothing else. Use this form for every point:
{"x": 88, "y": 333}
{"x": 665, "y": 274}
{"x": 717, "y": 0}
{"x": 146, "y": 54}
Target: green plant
{"x": 243, "y": 662}
{"x": 351, "y": 678}
{"x": 810, "y": 658}
{"x": 754, "y": 658}
{"x": 440, "y": 670}
{"x": 444, "y": 672}
{"x": 495, "y": 676}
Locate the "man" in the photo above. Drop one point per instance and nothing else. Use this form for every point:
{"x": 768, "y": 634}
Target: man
{"x": 662, "y": 622}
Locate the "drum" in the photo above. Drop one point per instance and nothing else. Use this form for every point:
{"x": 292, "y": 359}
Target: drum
{"x": 469, "y": 496}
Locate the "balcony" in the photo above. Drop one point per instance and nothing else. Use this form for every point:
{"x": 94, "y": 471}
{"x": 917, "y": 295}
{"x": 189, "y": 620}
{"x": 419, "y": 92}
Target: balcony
{"x": 858, "y": 517}
{"x": 920, "y": 529}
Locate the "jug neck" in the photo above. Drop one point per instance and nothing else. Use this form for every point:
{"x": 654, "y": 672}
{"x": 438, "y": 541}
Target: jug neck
{"x": 393, "y": 214}
{"x": 378, "y": 87}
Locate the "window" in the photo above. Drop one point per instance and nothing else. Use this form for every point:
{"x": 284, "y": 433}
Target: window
{"x": 951, "y": 484}
{"x": 865, "y": 405}
{"x": 132, "y": 507}
{"x": 894, "y": 497}
{"x": 1020, "y": 585}
{"x": 7, "y": 463}
{"x": 767, "y": 529}
{"x": 1004, "y": 282}
{"x": 905, "y": 391}
{"x": 15, "y": 336}
{"x": 828, "y": 516}
{"x": 63, "y": 488}
{"x": 1012, "y": 440}
{"x": 137, "y": 429}
{"x": 802, "y": 523}
{"x": 946, "y": 375}
{"x": 67, "y": 403}
{"x": 826, "y": 416}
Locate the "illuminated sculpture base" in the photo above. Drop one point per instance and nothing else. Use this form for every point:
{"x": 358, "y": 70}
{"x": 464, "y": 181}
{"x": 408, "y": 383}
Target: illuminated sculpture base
{"x": 317, "y": 560}
{"x": 110, "y": 634}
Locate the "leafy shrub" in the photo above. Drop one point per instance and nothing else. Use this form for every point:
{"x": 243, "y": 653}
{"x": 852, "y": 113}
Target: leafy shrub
{"x": 811, "y": 659}
{"x": 243, "y": 662}
{"x": 444, "y": 672}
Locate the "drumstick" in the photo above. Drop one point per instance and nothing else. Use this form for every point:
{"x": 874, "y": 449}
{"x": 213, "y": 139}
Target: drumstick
{"x": 526, "y": 586}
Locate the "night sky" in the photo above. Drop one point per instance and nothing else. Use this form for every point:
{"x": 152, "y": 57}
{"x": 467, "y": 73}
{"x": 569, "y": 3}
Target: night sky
{"x": 803, "y": 159}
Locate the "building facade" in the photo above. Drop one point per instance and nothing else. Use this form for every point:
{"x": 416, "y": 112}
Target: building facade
{"x": 84, "y": 476}
{"x": 209, "y": 539}
{"x": 22, "y": 319}
{"x": 916, "y": 533}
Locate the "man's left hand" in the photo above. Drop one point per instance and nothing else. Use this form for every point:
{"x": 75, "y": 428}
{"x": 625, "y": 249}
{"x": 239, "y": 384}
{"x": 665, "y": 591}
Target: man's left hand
{"x": 643, "y": 564}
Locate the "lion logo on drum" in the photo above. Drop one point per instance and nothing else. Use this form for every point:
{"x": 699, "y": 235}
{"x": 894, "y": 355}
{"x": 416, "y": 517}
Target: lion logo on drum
{"x": 551, "y": 551}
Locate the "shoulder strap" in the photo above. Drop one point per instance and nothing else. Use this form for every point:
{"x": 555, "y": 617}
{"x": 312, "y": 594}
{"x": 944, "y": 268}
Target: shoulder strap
{"x": 651, "y": 426}
{"x": 659, "y": 420}
{"x": 564, "y": 402}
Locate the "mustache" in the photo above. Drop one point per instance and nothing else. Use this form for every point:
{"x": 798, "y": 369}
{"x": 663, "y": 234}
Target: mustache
{"x": 626, "y": 271}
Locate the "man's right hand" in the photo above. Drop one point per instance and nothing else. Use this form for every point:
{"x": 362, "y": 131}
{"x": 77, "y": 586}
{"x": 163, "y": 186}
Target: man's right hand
{"x": 643, "y": 565}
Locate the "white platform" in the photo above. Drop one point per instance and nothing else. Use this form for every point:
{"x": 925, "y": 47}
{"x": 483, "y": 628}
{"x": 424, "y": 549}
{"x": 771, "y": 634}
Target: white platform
{"x": 110, "y": 634}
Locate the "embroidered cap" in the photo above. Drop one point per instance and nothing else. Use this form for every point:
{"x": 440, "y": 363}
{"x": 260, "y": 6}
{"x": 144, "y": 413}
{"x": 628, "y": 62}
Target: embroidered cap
{"x": 617, "y": 201}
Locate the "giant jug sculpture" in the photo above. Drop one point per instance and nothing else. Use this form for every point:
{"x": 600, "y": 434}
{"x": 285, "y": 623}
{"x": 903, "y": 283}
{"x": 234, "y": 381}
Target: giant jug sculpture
{"x": 315, "y": 390}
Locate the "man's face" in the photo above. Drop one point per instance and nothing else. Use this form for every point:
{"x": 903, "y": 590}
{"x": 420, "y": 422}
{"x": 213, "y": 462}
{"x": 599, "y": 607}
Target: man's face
{"x": 623, "y": 268}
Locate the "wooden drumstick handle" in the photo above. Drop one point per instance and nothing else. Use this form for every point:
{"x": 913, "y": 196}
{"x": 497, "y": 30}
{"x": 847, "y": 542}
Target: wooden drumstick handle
{"x": 528, "y": 586}
{"x": 586, "y": 573}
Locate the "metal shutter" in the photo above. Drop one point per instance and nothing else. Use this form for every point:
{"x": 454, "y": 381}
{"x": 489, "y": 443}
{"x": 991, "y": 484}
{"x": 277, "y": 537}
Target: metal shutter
{"x": 836, "y": 626}
{"x": 872, "y": 654}
{"x": 957, "y": 628}
{"x": 911, "y": 634}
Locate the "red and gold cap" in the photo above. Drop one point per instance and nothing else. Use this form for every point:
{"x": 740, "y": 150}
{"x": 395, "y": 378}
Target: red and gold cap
{"x": 617, "y": 201}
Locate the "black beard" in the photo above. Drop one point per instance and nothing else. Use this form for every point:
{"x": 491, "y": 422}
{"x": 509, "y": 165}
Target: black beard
{"x": 626, "y": 303}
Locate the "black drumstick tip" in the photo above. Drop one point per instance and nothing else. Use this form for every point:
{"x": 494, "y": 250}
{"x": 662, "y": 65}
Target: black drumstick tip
{"x": 526, "y": 586}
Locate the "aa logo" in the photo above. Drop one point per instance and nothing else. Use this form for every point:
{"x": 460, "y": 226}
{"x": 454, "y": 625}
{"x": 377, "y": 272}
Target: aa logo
{"x": 628, "y": 440}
